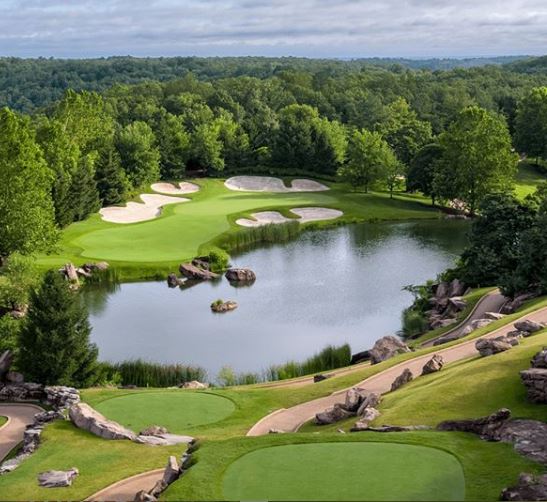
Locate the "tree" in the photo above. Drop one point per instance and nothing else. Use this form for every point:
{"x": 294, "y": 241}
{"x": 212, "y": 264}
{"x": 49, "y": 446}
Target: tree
{"x": 206, "y": 148}
{"x": 54, "y": 342}
{"x": 17, "y": 277}
{"x": 173, "y": 145}
{"x": 112, "y": 182}
{"x": 369, "y": 160}
{"x": 494, "y": 240}
{"x": 83, "y": 194}
{"x": 531, "y": 124}
{"x": 139, "y": 156}
{"x": 26, "y": 209}
{"x": 477, "y": 158}
{"x": 403, "y": 131}
{"x": 235, "y": 142}
{"x": 421, "y": 171}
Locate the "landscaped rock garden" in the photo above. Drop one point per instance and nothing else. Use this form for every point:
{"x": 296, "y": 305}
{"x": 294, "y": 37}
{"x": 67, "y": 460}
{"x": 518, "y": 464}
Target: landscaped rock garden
{"x": 446, "y": 303}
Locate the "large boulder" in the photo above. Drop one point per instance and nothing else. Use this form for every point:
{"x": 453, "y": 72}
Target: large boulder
{"x": 435, "y": 364}
{"x": 370, "y": 414}
{"x": 457, "y": 288}
{"x": 442, "y": 289}
{"x": 85, "y": 417}
{"x": 14, "y": 377}
{"x": 195, "y": 273}
{"x": 495, "y": 316}
{"x": 405, "y": 377}
{"x": 172, "y": 470}
{"x": 370, "y": 401}
{"x": 220, "y": 307}
{"x": 164, "y": 439}
{"x": 529, "y": 326}
{"x": 449, "y": 337}
{"x": 70, "y": 273}
{"x": 489, "y": 346}
{"x": 360, "y": 357}
{"x": 240, "y": 275}
{"x": 387, "y": 347}
{"x": 513, "y": 305}
{"x": 354, "y": 397}
{"x": 456, "y": 304}
{"x": 529, "y": 438}
{"x": 393, "y": 428}
{"x": 22, "y": 392}
{"x": 194, "y": 384}
{"x": 332, "y": 415}
{"x": 535, "y": 381}
{"x": 173, "y": 281}
{"x": 529, "y": 487}
{"x": 56, "y": 479}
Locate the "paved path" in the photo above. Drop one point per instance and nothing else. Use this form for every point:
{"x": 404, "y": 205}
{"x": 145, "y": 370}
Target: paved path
{"x": 291, "y": 419}
{"x": 126, "y": 489}
{"x": 11, "y": 433}
{"x": 492, "y": 302}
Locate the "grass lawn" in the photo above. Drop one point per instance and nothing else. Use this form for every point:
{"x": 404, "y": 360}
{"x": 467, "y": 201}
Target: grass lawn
{"x": 3, "y": 420}
{"x": 373, "y": 468}
{"x": 150, "y": 248}
{"x": 178, "y": 411}
{"x": 345, "y": 471}
{"x": 101, "y": 463}
{"x": 528, "y": 178}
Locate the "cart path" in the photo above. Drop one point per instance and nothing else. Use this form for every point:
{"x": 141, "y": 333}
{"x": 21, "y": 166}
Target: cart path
{"x": 11, "y": 433}
{"x": 126, "y": 489}
{"x": 291, "y": 419}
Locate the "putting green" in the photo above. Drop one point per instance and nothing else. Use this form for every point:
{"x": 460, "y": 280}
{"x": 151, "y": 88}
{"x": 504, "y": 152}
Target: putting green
{"x": 345, "y": 471}
{"x": 178, "y": 410}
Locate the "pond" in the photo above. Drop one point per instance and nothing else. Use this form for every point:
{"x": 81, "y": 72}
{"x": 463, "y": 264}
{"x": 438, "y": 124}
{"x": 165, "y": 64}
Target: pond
{"x": 326, "y": 287}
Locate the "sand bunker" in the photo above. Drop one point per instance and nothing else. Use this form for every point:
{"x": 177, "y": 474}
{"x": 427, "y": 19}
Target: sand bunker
{"x": 134, "y": 212}
{"x": 268, "y": 184}
{"x": 170, "y": 189}
{"x": 305, "y": 215}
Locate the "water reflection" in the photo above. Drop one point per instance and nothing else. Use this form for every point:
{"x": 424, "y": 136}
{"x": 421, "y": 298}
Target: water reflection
{"x": 326, "y": 287}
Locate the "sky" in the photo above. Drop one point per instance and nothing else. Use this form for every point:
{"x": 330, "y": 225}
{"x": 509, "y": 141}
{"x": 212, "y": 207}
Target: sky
{"x": 310, "y": 28}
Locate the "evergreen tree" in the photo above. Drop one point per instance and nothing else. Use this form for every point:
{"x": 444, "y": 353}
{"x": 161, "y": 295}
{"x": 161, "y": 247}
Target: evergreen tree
{"x": 112, "y": 182}
{"x": 83, "y": 190}
{"x": 54, "y": 342}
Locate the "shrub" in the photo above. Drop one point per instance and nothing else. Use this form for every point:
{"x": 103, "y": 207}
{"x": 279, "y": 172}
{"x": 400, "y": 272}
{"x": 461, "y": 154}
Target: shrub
{"x": 219, "y": 260}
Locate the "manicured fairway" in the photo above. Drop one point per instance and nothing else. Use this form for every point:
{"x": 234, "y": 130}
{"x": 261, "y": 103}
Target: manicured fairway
{"x": 177, "y": 411}
{"x": 345, "y": 471}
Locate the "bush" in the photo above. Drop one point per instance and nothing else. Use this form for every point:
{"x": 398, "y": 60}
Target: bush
{"x": 219, "y": 260}
{"x": 414, "y": 323}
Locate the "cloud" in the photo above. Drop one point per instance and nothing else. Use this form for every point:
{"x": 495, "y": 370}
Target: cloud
{"x": 330, "y": 28}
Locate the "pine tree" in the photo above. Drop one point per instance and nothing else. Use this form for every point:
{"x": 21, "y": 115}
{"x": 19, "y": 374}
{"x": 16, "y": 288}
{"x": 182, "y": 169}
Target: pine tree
{"x": 54, "y": 342}
{"x": 111, "y": 179}
{"x": 83, "y": 193}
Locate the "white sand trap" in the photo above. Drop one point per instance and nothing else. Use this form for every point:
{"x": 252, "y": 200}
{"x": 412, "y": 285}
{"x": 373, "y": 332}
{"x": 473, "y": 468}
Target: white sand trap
{"x": 305, "y": 215}
{"x": 170, "y": 189}
{"x": 269, "y": 184}
{"x": 134, "y": 212}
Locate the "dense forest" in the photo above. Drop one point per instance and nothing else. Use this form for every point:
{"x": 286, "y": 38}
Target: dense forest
{"x": 27, "y": 84}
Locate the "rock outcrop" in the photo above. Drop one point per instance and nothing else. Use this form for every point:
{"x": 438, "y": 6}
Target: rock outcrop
{"x": 85, "y": 417}
{"x": 512, "y": 306}
{"x": 220, "y": 306}
{"x": 56, "y": 479}
{"x": 61, "y": 397}
{"x": 356, "y": 402}
{"x": 435, "y": 364}
{"x": 153, "y": 430}
{"x": 370, "y": 401}
{"x": 387, "y": 347}
{"x": 528, "y": 488}
{"x": 529, "y": 437}
{"x": 173, "y": 281}
{"x": 332, "y": 415}
{"x": 240, "y": 275}
{"x": 360, "y": 357}
{"x": 196, "y": 273}
{"x": 394, "y": 428}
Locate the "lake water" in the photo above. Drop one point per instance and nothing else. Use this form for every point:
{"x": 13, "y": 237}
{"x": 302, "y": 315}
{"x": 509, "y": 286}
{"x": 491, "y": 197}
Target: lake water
{"x": 327, "y": 287}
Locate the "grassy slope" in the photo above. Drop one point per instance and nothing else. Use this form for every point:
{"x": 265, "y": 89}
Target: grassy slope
{"x": 3, "y": 420}
{"x": 100, "y": 462}
{"x": 152, "y": 247}
{"x": 345, "y": 471}
{"x": 485, "y": 475}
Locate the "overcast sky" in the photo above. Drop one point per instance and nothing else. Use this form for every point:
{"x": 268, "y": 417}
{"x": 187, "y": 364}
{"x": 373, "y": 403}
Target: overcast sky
{"x": 313, "y": 28}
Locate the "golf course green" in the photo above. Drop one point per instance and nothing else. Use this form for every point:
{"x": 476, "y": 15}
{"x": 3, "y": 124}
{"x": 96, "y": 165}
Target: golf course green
{"x": 139, "y": 250}
{"x": 345, "y": 471}
{"x": 177, "y": 411}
